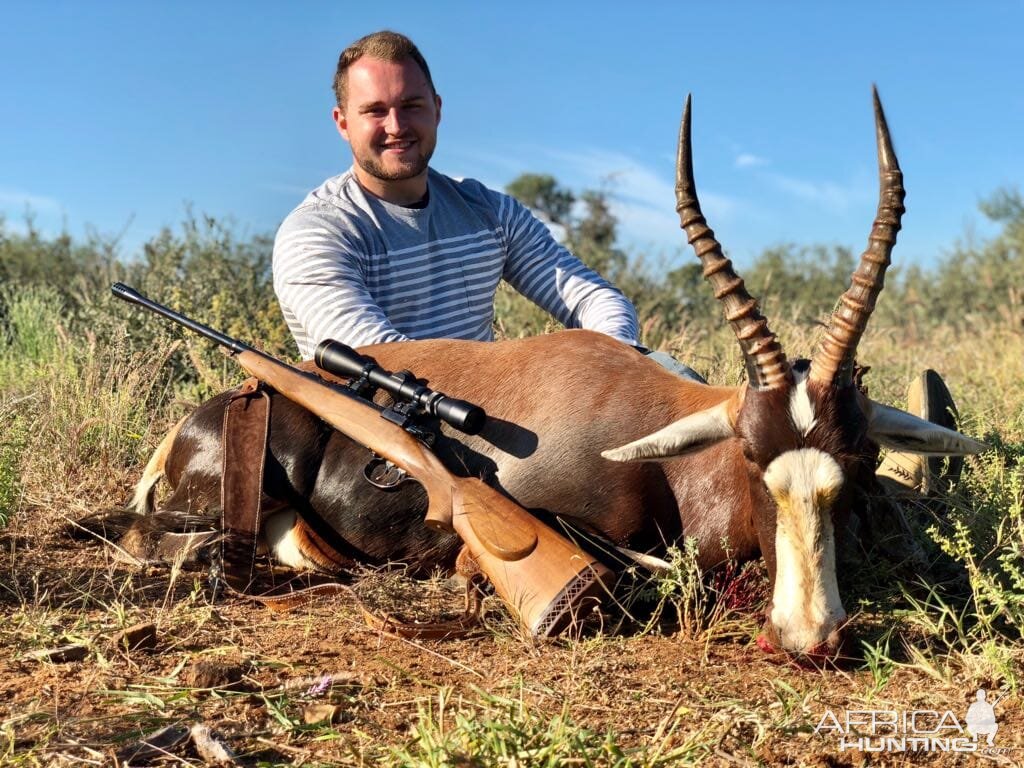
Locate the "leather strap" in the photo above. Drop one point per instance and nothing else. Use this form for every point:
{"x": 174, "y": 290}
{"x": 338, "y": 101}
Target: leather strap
{"x": 245, "y": 443}
{"x": 436, "y": 630}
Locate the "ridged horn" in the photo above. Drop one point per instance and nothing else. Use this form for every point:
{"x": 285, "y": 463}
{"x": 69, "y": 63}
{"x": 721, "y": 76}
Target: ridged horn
{"x": 766, "y": 363}
{"x": 833, "y": 362}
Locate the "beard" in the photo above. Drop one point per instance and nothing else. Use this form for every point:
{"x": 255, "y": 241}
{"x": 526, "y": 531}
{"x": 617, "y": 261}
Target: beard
{"x": 373, "y": 166}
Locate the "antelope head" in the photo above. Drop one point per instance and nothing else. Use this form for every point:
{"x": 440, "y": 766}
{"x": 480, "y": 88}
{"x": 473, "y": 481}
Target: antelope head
{"x": 806, "y": 431}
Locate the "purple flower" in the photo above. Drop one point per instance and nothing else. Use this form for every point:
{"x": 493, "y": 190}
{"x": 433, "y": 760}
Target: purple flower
{"x": 320, "y": 686}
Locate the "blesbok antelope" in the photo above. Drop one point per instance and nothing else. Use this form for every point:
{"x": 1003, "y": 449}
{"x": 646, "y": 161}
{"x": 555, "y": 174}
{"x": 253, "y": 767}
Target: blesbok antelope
{"x": 584, "y": 428}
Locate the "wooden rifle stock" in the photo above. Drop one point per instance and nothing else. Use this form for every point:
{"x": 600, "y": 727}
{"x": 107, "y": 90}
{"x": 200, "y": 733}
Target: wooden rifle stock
{"x": 544, "y": 578}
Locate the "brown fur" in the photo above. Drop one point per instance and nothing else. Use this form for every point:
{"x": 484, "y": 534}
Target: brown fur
{"x": 145, "y": 489}
{"x": 554, "y": 403}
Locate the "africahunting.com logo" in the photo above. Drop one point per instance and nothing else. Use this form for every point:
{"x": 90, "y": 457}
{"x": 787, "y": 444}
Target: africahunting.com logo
{"x": 916, "y": 730}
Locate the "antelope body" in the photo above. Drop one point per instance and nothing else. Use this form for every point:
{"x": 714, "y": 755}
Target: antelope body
{"x": 584, "y": 428}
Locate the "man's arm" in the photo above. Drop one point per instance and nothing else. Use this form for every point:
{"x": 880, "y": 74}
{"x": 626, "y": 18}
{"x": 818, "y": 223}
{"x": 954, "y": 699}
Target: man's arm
{"x": 320, "y": 285}
{"x": 551, "y": 277}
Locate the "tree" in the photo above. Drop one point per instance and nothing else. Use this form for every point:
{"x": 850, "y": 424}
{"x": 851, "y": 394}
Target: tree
{"x": 592, "y": 236}
{"x": 803, "y": 282}
{"x": 979, "y": 282}
{"x": 541, "y": 193}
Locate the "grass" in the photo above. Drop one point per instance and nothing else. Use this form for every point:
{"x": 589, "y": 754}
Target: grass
{"x": 491, "y": 730}
{"x": 81, "y": 416}
{"x": 12, "y": 448}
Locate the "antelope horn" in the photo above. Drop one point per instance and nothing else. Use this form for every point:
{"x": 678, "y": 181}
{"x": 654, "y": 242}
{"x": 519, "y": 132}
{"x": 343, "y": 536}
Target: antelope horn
{"x": 766, "y": 363}
{"x": 833, "y": 362}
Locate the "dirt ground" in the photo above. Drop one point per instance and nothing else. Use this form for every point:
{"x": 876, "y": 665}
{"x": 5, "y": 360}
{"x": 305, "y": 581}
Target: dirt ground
{"x": 254, "y": 677}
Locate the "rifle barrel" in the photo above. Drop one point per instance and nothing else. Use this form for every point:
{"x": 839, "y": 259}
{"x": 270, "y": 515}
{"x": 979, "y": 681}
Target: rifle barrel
{"x": 122, "y": 291}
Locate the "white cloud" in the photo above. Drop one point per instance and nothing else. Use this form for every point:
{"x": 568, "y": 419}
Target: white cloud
{"x": 17, "y": 198}
{"x": 285, "y": 189}
{"x": 747, "y": 160}
{"x": 830, "y": 195}
{"x": 642, "y": 198}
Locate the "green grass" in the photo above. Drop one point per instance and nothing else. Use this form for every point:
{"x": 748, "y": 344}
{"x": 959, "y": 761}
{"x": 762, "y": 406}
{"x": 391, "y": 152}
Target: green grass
{"x": 13, "y": 441}
{"x": 87, "y": 390}
{"x": 507, "y": 732}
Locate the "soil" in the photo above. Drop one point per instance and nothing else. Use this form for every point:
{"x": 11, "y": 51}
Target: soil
{"x": 254, "y": 677}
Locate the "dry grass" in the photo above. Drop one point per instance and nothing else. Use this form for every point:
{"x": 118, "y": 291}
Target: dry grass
{"x": 79, "y": 425}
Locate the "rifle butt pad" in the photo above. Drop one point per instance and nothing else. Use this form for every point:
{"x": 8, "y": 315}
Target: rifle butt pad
{"x": 548, "y": 582}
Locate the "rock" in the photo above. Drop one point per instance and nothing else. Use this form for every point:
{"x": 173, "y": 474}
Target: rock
{"x": 210, "y": 747}
{"x": 207, "y": 673}
{"x": 321, "y": 713}
{"x": 141, "y": 637}
{"x": 61, "y": 654}
{"x": 155, "y": 745}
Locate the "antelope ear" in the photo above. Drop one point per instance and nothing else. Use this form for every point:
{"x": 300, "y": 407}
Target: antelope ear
{"x": 694, "y": 431}
{"x": 893, "y": 428}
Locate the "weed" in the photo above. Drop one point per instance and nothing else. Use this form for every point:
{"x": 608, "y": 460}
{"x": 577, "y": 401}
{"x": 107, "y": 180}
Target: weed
{"x": 500, "y": 731}
{"x": 701, "y": 601}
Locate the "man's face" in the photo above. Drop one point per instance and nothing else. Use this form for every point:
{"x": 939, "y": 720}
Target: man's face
{"x": 390, "y": 119}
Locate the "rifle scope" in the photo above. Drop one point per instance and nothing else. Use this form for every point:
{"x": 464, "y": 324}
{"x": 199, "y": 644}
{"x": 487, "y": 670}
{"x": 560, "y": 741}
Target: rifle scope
{"x": 341, "y": 360}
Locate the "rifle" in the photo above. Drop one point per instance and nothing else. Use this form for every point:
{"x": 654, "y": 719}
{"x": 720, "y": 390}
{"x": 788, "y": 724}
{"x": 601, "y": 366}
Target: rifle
{"x": 545, "y": 579}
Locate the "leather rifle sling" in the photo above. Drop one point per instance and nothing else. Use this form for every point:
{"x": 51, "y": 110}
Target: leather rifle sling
{"x": 245, "y": 442}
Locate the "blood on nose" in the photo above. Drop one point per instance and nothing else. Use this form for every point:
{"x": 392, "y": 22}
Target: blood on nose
{"x": 768, "y": 639}
{"x": 830, "y": 651}
{"x": 826, "y": 651}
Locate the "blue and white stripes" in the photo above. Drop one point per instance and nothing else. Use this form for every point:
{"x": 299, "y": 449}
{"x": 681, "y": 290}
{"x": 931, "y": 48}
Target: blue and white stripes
{"x": 355, "y": 268}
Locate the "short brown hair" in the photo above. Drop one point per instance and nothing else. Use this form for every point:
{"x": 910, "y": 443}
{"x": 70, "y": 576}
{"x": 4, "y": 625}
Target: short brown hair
{"x": 386, "y": 45}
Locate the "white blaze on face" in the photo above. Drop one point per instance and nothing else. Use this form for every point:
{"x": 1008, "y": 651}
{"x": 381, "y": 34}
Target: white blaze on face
{"x": 805, "y": 603}
{"x": 801, "y": 411}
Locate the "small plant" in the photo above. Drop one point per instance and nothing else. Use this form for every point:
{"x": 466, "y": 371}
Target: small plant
{"x": 878, "y": 660}
{"x": 13, "y": 441}
{"x": 31, "y": 328}
{"x": 499, "y": 732}
{"x": 701, "y": 600}
{"x": 985, "y": 534}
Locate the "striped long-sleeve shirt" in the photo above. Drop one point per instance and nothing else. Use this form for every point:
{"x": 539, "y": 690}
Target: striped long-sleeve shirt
{"x": 351, "y": 267}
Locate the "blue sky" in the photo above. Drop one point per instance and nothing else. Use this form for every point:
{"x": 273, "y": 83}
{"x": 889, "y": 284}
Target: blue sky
{"x": 116, "y": 115}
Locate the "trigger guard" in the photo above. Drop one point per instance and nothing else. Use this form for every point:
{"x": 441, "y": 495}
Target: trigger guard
{"x": 381, "y": 473}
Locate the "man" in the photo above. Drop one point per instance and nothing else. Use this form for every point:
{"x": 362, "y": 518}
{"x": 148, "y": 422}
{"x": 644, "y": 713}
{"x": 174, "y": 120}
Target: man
{"x": 392, "y": 250}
